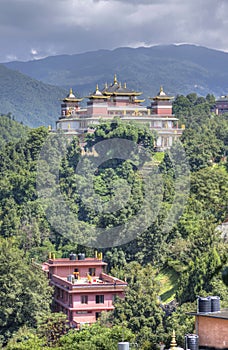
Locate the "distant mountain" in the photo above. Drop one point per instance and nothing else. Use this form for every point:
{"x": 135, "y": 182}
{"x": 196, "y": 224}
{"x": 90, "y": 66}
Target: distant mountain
{"x": 28, "y": 100}
{"x": 180, "y": 69}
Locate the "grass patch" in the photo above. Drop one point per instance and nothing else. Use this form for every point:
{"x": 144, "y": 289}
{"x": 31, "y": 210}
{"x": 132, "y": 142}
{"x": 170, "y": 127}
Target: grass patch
{"x": 167, "y": 279}
{"x": 158, "y": 156}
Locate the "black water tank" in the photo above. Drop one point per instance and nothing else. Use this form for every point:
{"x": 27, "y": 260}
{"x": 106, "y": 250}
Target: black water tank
{"x": 191, "y": 341}
{"x": 81, "y": 256}
{"x": 123, "y": 346}
{"x": 215, "y": 304}
{"x": 204, "y": 304}
{"x": 72, "y": 256}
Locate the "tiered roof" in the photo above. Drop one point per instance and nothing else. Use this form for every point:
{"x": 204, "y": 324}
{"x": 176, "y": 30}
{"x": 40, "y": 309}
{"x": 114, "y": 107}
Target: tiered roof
{"x": 97, "y": 94}
{"x": 161, "y": 95}
{"x": 117, "y": 89}
{"x": 72, "y": 98}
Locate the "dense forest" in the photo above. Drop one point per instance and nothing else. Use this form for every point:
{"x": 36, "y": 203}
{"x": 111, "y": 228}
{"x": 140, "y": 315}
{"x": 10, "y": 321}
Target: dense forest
{"x": 30, "y": 101}
{"x": 166, "y": 269}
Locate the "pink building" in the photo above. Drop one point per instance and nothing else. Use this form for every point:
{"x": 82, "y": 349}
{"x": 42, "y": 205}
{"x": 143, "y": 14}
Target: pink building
{"x": 82, "y": 289}
{"x": 117, "y": 100}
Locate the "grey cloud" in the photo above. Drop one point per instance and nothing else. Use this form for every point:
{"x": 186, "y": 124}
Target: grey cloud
{"x": 141, "y": 2}
{"x": 73, "y": 26}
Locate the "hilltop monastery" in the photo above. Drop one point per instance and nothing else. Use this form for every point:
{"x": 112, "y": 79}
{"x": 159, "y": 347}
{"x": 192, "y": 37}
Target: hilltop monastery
{"x": 117, "y": 100}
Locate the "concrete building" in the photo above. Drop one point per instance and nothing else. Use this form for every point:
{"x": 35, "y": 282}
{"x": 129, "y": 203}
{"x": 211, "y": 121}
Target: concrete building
{"x": 221, "y": 105}
{"x": 212, "y": 330}
{"x": 117, "y": 100}
{"x": 211, "y": 324}
{"x": 82, "y": 289}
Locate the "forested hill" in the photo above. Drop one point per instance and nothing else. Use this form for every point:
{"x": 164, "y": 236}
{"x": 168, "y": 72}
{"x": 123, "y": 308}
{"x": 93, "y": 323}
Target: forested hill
{"x": 159, "y": 265}
{"x": 180, "y": 69}
{"x": 30, "y": 101}
{"x": 10, "y": 130}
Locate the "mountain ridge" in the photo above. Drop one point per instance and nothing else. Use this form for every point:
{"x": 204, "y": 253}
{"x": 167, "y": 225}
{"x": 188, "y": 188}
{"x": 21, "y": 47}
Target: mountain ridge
{"x": 32, "y": 90}
{"x": 182, "y": 68}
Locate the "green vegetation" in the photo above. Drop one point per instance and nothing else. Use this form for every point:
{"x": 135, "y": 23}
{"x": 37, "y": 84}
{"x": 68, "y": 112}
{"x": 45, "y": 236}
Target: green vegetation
{"x": 30, "y": 101}
{"x": 10, "y": 130}
{"x": 165, "y": 270}
{"x": 24, "y": 291}
{"x": 167, "y": 281}
{"x": 180, "y": 69}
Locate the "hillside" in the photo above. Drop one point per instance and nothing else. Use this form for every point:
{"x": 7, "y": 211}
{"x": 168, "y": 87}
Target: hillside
{"x": 28, "y": 100}
{"x": 180, "y": 69}
{"x": 10, "y": 130}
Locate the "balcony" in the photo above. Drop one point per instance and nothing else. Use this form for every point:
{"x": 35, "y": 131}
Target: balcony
{"x": 102, "y": 283}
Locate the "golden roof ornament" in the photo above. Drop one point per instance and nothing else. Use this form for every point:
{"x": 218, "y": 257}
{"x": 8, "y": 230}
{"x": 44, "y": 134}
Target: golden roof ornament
{"x": 161, "y": 88}
{"x": 71, "y": 95}
{"x": 173, "y": 343}
{"x": 97, "y": 88}
{"x": 115, "y": 79}
{"x": 125, "y": 85}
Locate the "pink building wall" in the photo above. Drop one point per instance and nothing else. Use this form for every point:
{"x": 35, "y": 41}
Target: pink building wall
{"x": 213, "y": 332}
{"x": 65, "y": 270}
{"x": 68, "y": 295}
{"x": 97, "y": 109}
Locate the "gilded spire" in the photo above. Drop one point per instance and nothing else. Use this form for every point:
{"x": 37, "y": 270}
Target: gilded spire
{"x": 161, "y": 88}
{"x": 97, "y": 88}
{"x": 106, "y": 86}
{"x": 115, "y": 79}
{"x": 120, "y": 84}
{"x": 173, "y": 343}
{"x": 125, "y": 85}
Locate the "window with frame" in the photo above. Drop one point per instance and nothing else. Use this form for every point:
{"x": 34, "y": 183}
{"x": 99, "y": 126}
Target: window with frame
{"x": 92, "y": 271}
{"x": 70, "y": 316}
{"x": 114, "y": 298}
{"x": 84, "y": 299}
{"x": 61, "y": 293}
{"x": 99, "y": 299}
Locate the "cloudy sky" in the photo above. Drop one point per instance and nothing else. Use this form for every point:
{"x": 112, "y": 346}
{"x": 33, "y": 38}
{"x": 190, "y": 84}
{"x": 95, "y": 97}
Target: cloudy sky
{"x": 31, "y": 29}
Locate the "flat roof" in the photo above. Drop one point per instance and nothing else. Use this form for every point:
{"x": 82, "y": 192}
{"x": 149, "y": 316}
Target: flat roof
{"x": 223, "y": 314}
{"x": 67, "y": 262}
{"x": 91, "y": 282}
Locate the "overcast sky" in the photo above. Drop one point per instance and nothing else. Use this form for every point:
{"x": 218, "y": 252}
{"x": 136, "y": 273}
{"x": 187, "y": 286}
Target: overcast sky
{"x": 31, "y": 29}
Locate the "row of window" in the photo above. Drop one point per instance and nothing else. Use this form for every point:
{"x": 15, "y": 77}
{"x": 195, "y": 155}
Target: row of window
{"x": 99, "y": 299}
{"x": 91, "y": 271}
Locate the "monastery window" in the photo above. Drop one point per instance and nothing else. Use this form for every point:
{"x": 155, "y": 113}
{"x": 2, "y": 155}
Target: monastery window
{"x": 84, "y": 299}
{"x": 57, "y": 292}
{"x": 114, "y": 298}
{"x": 165, "y": 142}
{"x": 70, "y": 316}
{"x": 98, "y": 315}
{"x": 92, "y": 271}
{"x": 99, "y": 299}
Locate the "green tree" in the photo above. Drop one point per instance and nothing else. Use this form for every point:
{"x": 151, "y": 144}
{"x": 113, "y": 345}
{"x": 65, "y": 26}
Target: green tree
{"x": 51, "y": 327}
{"x": 96, "y": 337}
{"x": 140, "y": 310}
{"x": 24, "y": 290}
